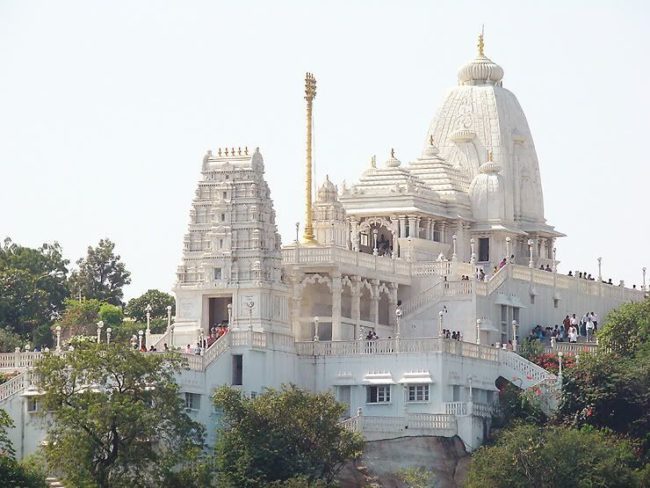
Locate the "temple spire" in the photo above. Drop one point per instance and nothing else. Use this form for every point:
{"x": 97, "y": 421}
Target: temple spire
{"x": 481, "y": 44}
{"x": 310, "y": 94}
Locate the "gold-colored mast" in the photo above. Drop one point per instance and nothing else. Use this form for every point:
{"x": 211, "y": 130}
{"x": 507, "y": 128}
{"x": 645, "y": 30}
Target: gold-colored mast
{"x": 310, "y": 94}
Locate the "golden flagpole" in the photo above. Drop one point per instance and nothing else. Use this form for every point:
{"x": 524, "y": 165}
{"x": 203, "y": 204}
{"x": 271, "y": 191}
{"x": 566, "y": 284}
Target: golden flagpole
{"x": 310, "y": 94}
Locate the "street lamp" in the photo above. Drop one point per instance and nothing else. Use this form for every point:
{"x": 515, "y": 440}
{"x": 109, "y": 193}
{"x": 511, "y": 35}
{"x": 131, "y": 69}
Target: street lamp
{"x": 530, "y": 253}
{"x": 643, "y": 286}
{"x": 453, "y": 241}
{"x": 600, "y": 274}
{"x": 250, "y": 304}
{"x": 108, "y": 335}
{"x": 229, "y": 307}
{"x": 472, "y": 256}
{"x": 100, "y": 324}
{"x": 554, "y": 260}
{"x": 375, "y": 251}
{"x": 316, "y": 339}
{"x": 148, "y": 309}
{"x": 140, "y": 334}
{"x": 58, "y": 338}
{"x": 478, "y": 332}
{"x": 440, "y": 315}
{"x": 514, "y": 335}
{"x": 169, "y": 316}
{"x": 398, "y": 318}
{"x": 297, "y": 232}
{"x": 508, "y": 249}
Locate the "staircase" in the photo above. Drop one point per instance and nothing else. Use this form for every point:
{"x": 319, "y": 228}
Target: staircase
{"x": 522, "y": 372}
{"x": 459, "y": 289}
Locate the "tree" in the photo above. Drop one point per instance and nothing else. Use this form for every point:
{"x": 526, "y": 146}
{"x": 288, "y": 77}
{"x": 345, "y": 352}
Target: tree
{"x": 80, "y": 317}
{"x": 607, "y": 391}
{"x": 416, "y": 477}
{"x": 627, "y": 329}
{"x": 159, "y": 301}
{"x": 101, "y": 274}
{"x": 118, "y": 419}
{"x": 111, "y": 315}
{"x": 281, "y": 434}
{"x": 554, "y": 457}
{"x": 13, "y": 473}
{"x": 32, "y": 287}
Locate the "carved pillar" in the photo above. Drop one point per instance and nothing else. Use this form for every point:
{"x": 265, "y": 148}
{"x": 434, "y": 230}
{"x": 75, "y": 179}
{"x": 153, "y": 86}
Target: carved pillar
{"x": 337, "y": 333}
{"x": 356, "y": 304}
{"x": 354, "y": 225}
{"x": 394, "y": 227}
{"x": 296, "y": 303}
{"x": 374, "y": 307}
{"x": 402, "y": 226}
{"x": 443, "y": 231}
{"x": 417, "y": 227}
{"x": 392, "y": 304}
{"x": 412, "y": 226}
{"x": 429, "y": 232}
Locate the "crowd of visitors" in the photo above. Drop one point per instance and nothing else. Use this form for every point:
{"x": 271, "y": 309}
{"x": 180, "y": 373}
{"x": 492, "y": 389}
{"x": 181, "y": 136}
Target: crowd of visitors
{"x": 571, "y": 329}
{"x": 455, "y": 335}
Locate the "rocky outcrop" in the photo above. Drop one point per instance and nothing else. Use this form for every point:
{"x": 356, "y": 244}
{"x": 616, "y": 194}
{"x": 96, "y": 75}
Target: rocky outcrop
{"x": 381, "y": 462}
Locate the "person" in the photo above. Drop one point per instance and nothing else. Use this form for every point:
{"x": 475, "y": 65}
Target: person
{"x": 509, "y": 346}
{"x": 571, "y": 274}
{"x": 590, "y": 329}
{"x": 166, "y": 347}
{"x": 542, "y": 267}
{"x": 152, "y": 349}
{"x": 573, "y": 334}
{"x": 143, "y": 348}
{"x": 594, "y": 319}
{"x": 188, "y": 349}
{"x": 548, "y": 268}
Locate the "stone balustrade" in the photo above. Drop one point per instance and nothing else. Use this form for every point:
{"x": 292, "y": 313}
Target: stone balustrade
{"x": 380, "y": 427}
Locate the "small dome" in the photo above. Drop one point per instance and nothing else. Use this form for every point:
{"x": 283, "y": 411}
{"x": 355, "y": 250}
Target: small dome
{"x": 481, "y": 70}
{"x": 392, "y": 162}
{"x": 431, "y": 151}
{"x": 327, "y": 192}
{"x": 487, "y": 193}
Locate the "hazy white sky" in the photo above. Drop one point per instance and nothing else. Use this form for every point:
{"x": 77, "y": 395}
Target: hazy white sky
{"x": 107, "y": 107}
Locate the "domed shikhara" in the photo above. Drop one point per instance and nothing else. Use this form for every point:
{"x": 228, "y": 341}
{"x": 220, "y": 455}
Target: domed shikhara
{"x": 486, "y": 193}
{"x": 478, "y": 116}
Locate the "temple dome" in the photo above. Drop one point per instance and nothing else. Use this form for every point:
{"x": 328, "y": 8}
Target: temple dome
{"x": 487, "y": 193}
{"x": 327, "y": 192}
{"x": 392, "y": 162}
{"x": 481, "y": 70}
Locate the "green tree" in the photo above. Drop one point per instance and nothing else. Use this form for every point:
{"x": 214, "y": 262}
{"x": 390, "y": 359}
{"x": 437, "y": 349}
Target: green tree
{"x": 13, "y": 473}
{"x": 32, "y": 287}
{"x": 608, "y": 391}
{"x": 111, "y": 315}
{"x": 80, "y": 317}
{"x": 416, "y": 477}
{"x": 158, "y": 300}
{"x": 118, "y": 419}
{"x": 101, "y": 274}
{"x": 9, "y": 340}
{"x": 554, "y": 457}
{"x": 627, "y": 329}
{"x": 281, "y": 434}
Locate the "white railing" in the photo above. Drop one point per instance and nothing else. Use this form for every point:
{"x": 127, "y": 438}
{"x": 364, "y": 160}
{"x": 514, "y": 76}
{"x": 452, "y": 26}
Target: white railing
{"x": 158, "y": 340}
{"x": 573, "y": 348}
{"x": 353, "y": 424}
{"x": 441, "y": 423}
{"x": 481, "y": 409}
{"x": 456, "y": 408}
{"x": 397, "y": 346}
{"x": 216, "y": 349}
{"x": 322, "y": 255}
{"x": 19, "y": 360}
{"x": 413, "y": 424}
{"x": 527, "y": 373}
{"x": 458, "y": 288}
{"x": 13, "y": 386}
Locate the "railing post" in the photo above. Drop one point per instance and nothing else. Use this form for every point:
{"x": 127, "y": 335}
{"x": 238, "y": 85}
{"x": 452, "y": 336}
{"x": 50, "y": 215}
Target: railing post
{"x": 17, "y": 357}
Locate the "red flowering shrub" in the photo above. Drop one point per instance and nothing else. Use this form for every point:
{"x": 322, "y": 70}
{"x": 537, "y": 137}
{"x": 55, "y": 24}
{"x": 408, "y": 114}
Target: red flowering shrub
{"x": 550, "y": 361}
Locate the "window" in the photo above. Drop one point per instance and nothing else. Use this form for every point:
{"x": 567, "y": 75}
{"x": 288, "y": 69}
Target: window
{"x": 378, "y": 394}
{"x": 556, "y": 302}
{"x": 223, "y": 217}
{"x": 225, "y": 195}
{"x": 418, "y": 393}
{"x": 192, "y": 401}
{"x": 220, "y": 243}
{"x": 237, "y": 369}
{"x": 217, "y": 273}
{"x": 532, "y": 299}
{"x": 483, "y": 249}
{"x": 364, "y": 239}
{"x": 32, "y": 405}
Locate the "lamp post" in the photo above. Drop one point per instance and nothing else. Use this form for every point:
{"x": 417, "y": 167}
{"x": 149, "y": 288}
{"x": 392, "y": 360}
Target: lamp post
{"x": 453, "y": 242}
{"x": 297, "y": 233}
{"x": 398, "y": 317}
{"x": 100, "y": 324}
{"x": 108, "y": 335}
{"x": 554, "y": 260}
{"x": 250, "y": 304}
{"x": 440, "y": 315}
{"x": 472, "y": 256}
{"x": 58, "y": 338}
{"x": 375, "y": 251}
{"x": 169, "y": 317}
{"x": 600, "y": 265}
{"x": 140, "y": 334}
{"x": 171, "y": 336}
{"x": 530, "y": 253}
{"x": 643, "y": 285}
{"x": 148, "y": 309}
{"x": 514, "y": 335}
{"x": 508, "y": 249}
{"x": 316, "y": 339}
{"x": 229, "y": 307}
{"x": 469, "y": 381}
{"x": 478, "y": 332}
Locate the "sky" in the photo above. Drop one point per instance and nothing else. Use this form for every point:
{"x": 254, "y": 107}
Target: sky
{"x": 107, "y": 108}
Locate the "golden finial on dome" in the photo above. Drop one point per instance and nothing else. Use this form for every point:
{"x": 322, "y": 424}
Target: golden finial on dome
{"x": 431, "y": 140}
{"x": 481, "y": 44}
{"x": 373, "y": 161}
{"x": 490, "y": 157}
{"x": 392, "y": 153}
